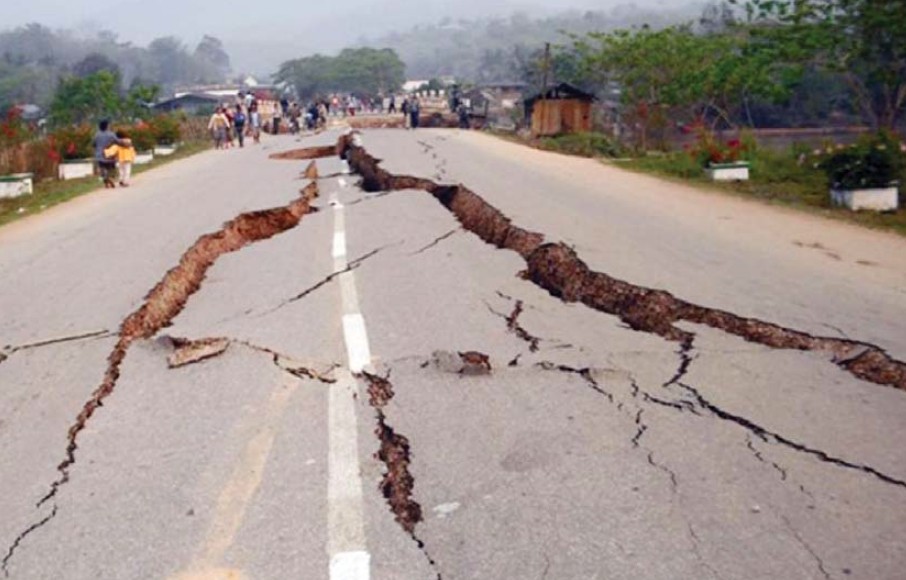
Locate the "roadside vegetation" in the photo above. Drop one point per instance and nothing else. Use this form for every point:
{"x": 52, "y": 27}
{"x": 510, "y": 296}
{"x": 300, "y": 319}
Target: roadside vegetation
{"x": 49, "y": 192}
{"x": 688, "y": 98}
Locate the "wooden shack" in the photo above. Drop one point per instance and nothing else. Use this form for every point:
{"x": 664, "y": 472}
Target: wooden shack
{"x": 561, "y": 109}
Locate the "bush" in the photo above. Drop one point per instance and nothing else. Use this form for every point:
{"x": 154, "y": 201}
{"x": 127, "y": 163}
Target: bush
{"x": 142, "y": 135}
{"x": 582, "y": 144}
{"x": 709, "y": 150}
{"x": 875, "y": 161}
{"x": 74, "y": 142}
{"x": 13, "y": 131}
{"x": 166, "y": 129}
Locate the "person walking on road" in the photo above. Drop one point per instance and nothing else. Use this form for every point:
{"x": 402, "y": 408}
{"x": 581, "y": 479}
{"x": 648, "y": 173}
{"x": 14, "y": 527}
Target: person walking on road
{"x": 255, "y": 121}
{"x": 102, "y": 141}
{"x": 404, "y": 108}
{"x": 218, "y": 126}
{"x": 414, "y": 110}
{"x": 239, "y": 120}
{"x": 124, "y": 153}
{"x": 278, "y": 114}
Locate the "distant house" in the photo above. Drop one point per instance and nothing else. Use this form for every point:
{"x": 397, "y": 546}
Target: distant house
{"x": 190, "y": 103}
{"x": 561, "y": 109}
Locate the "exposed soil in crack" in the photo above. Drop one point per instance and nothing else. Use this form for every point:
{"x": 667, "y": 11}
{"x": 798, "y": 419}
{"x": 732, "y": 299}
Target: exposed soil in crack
{"x": 557, "y": 268}
{"x": 168, "y": 298}
{"x": 306, "y": 153}
{"x": 512, "y": 324}
{"x": 394, "y": 452}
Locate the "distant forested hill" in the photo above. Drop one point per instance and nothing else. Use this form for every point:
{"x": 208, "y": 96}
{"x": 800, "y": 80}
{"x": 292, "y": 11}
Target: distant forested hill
{"x": 34, "y": 58}
{"x": 496, "y": 49}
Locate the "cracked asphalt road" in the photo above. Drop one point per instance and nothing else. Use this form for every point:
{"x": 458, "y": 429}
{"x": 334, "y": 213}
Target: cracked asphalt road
{"x": 588, "y": 450}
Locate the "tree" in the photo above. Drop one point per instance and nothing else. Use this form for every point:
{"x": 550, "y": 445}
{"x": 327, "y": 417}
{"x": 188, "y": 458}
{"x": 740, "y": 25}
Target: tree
{"x": 365, "y": 71}
{"x": 685, "y": 75}
{"x": 80, "y": 100}
{"x": 210, "y": 52}
{"x": 95, "y": 63}
{"x": 864, "y": 41}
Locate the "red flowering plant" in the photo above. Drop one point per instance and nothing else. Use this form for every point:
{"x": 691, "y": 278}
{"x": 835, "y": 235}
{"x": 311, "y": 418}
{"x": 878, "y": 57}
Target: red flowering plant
{"x": 74, "y": 142}
{"x": 13, "y": 130}
{"x": 709, "y": 150}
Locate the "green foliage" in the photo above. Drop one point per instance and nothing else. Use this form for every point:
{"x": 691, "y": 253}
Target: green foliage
{"x": 581, "y": 144}
{"x": 34, "y": 58}
{"x": 88, "y": 99}
{"x": 675, "y": 68}
{"x": 500, "y": 49}
{"x": 363, "y": 71}
{"x": 166, "y": 129}
{"x": 875, "y": 161}
{"x": 74, "y": 142}
{"x": 864, "y": 41}
{"x": 143, "y": 137}
{"x": 137, "y": 102}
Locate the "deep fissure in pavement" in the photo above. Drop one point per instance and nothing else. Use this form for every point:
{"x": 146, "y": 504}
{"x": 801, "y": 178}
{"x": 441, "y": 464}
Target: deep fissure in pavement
{"x": 394, "y": 453}
{"x": 557, "y": 268}
{"x": 307, "y": 153}
{"x": 397, "y": 483}
{"x": 168, "y": 298}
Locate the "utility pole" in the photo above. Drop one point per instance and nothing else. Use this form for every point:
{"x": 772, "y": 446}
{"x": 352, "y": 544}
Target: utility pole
{"x": 545, "y": 70}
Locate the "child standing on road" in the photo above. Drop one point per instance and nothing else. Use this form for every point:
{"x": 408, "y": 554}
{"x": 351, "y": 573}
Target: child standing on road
{"x": 124, "y": 153}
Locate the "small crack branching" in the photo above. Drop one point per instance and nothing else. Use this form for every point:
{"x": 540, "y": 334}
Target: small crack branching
{"x": 437, "y": 241}
{"x": 771, "y": 437}
{"x": 751, "y": 445}
{"x": 585, "y": 373}
{"x": 808, "y": 548}
{"x": 24, "y": 534}
{"x": 9, "y": 350}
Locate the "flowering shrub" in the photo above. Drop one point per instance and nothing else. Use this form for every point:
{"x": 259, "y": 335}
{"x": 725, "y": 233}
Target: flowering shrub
{"x": 875, "y": 161}
{"x": 13, "y": 129}
{"x": 142, "y": 135}
{"x": 74, "y": 142}
{"x": 708, "y": 149}
{"x": 166, "y": 129}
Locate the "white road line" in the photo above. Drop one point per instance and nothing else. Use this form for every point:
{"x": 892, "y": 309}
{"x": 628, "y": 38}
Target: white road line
{"x": 349, "y": 559}
{"x": 357, "y": 349}
{"x": 339, "y": 245}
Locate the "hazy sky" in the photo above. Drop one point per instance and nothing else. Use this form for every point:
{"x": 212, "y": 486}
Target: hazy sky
{"x": 258, "y": 34}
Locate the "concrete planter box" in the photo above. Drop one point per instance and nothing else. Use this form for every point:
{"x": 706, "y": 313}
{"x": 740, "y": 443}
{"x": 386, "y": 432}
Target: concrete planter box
{"x": 16, "y": 184}
{"x": 876, "y": 199}
{"x": 164, "y": 150}
{"x": 76, "y": 169}
{"x": 728, "y": 171}
{"x": 144, "y": 157}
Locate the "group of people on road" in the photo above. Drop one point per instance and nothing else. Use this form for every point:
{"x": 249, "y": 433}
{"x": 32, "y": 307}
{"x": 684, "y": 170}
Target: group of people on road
{"x": 234, "y": 122}
{"x": 114, "y": 155}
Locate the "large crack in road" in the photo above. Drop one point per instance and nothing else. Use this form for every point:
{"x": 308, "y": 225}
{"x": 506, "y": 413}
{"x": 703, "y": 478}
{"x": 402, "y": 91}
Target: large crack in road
{"x": 557, "y": 268}
{"x": 162, "y": 304}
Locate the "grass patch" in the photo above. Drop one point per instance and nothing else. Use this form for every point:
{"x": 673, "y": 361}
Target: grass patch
{"x": 53, "y": 192}
{"x": 775, "y": 177}
{"x": 580, "y": 144}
